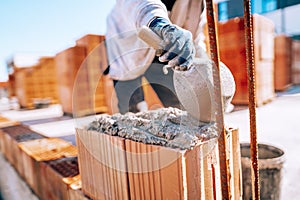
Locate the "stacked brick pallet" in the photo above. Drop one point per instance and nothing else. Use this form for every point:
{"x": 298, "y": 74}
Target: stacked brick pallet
{"x": 22, "y": 88}
{"x": 68, "y": 63}
{"x": 11, "y": 86}
{"x": 48, "y": 75}
{"x": 101, "y": 87}
{"x": 116, "y": 168}
{"x": 37, "y": 83}
{"x": 233, "y": 54}
{"x": 296, "y": 62}
{"x": 283, "y": 62}
{"x": 48, "y": 165}
{"x": 82, "y": 87}
{"x": 74, "y": 78}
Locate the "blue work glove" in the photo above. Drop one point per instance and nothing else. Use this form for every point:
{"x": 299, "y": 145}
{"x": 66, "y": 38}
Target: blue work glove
{"x": 179, "y": 50}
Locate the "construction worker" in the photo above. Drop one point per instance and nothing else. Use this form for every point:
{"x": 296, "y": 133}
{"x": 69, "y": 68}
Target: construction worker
{"x": 178, "y": 23}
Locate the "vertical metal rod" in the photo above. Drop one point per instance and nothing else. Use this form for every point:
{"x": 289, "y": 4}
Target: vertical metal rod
{"x": 252, "y": 98}
{"x": 213, "y": 172}
{"x": 218, "y": 100}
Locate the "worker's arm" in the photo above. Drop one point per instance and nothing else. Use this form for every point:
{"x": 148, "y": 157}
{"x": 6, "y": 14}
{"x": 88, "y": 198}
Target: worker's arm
{"x": 178, "y": 45}
{"x": 141, "y": 12}
{"x": 179, "y": 50}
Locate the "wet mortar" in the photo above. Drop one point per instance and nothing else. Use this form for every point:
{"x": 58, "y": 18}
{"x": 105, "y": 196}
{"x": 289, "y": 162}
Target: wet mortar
{"x": 169, "y": 127}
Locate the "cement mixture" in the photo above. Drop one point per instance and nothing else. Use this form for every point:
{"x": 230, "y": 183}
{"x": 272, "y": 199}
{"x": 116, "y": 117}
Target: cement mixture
{"x": 169, "y": 127}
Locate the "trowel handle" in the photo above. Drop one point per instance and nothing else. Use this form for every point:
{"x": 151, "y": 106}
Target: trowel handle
{"x": 151, "y": 38}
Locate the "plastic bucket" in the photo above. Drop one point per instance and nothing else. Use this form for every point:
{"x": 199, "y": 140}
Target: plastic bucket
{"x": 270, "y": 162}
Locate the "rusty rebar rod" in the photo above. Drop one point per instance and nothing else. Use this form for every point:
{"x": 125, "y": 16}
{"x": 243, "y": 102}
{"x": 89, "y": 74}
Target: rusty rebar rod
{"x": 248, "y": 23}
{"x": 224, "y": 170}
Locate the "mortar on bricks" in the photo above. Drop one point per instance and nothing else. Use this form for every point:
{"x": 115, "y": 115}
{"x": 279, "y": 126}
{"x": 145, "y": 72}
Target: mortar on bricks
{"x": 161, "y": 154}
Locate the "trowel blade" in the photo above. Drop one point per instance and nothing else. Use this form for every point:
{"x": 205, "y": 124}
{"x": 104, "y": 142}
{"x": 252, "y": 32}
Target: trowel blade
{"x": 194, "y": 89}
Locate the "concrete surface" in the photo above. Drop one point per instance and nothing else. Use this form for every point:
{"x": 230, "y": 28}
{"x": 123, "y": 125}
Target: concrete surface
{"x": 278, "y": 124}
{"x": 12, "y": 186}
{"x": 55, "y": 129}
{"x": 25, "y": 115}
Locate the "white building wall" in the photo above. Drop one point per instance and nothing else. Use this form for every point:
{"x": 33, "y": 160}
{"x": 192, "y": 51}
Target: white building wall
{"x": 286, "y": 20}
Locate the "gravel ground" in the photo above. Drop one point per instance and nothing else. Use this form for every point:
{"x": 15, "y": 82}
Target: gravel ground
{"x": 12, "y": 186}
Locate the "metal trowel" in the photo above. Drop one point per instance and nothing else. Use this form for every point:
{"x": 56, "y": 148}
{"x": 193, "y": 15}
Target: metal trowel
{"x": 194, "y": 86}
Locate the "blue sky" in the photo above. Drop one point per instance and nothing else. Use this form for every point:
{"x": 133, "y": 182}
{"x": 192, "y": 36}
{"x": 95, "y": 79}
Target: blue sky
{"x": 46, "y": 27}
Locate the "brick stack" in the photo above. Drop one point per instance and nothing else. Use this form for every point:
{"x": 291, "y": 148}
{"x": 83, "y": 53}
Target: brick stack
{"x": 296, "y": 62}
{"x": 83, "y": 88}
{"x": 233, "y": 53}
{"x": 48, "y": 165}
{"x": 101, "y": 87}
{"x": 36, "y": 84}
{"x": 49, "y": 77}
{"x": 12, "y": 136}
{"x": 23, "y": 89}
{"x": 283, "y": 62}
{"x": 11, "y": 89}
{"x": 69, "y": 71}
{"x": 64, "y": 173}
{"x": 112, "y": 167}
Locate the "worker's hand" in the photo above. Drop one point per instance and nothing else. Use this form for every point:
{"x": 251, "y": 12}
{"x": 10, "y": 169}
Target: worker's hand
{"x": 179, "y": 50}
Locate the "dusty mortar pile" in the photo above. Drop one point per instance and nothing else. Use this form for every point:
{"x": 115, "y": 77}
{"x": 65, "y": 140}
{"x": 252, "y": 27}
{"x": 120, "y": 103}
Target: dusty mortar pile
{"x": 168, "y": 127}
